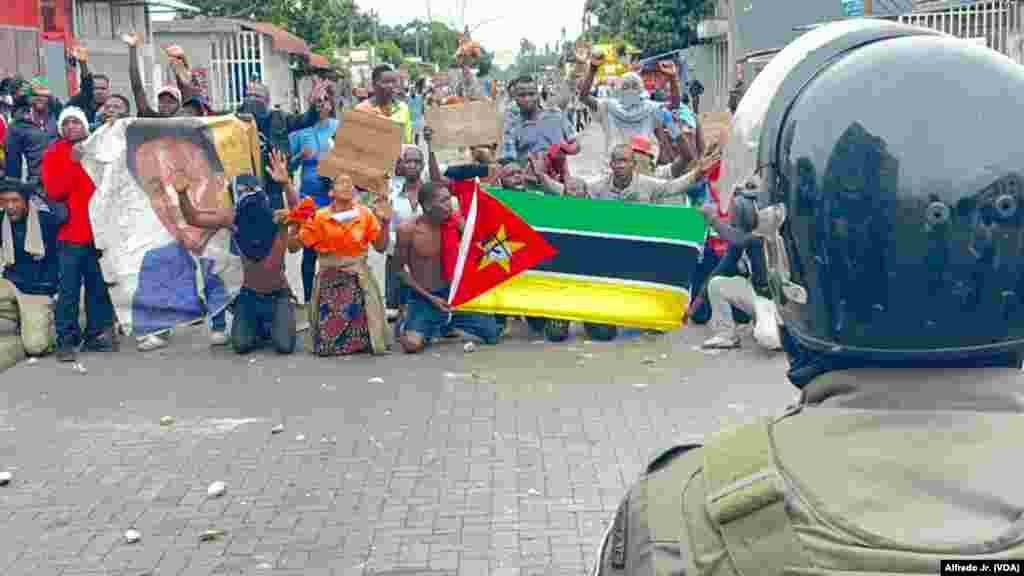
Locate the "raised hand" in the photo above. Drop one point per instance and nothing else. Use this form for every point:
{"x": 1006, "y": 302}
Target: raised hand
{"x": 131, "y": 39}
{"x": 281, "y": 217}
{"x": 278, "y": 168}
{"x": 80, "y": 53}
{"x": 175, "y": 51}
{"x": 382, "y": 208}
{"x": 668, "y": 68}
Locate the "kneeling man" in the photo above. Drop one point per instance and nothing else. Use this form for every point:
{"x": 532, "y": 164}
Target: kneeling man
{"x": 264, "y": 309}
{"x": 28, "y": 256}
{"x": 419, "y": 262}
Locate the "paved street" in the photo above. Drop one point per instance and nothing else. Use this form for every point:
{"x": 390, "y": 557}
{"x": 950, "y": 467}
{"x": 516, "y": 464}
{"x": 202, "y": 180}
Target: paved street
{"x": 508, "y": 460}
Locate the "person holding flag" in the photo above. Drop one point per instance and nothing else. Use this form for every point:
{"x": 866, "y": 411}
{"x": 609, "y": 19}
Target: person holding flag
{"x": 419, "y": 261}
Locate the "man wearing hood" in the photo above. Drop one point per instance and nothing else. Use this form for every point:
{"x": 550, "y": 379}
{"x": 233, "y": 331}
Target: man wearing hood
{"x": 26, "y": 142}
{"x": 28, "y": 257}
{"x": 67, "y": 182}
{"x": 632, "y": 113}
{"x": 264, "y": 309}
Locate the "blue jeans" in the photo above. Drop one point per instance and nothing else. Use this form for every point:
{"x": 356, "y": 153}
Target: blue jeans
{"x": 80, "y": 266}
{"x": 263, "y": 318}
{"x": 219, "y": 322}
{"x": 427, "y": 321}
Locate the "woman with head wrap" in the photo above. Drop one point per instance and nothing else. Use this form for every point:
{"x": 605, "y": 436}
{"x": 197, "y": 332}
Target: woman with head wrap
{"x": 346, "y": 312}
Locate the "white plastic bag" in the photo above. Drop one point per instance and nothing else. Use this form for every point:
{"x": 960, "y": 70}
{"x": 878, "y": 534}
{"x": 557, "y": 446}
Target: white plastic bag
{"x": 766, "y": 324}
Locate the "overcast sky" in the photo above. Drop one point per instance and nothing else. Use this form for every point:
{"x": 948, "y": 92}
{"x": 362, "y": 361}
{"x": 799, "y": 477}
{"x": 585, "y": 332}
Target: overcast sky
{"x": 540, "y": 21}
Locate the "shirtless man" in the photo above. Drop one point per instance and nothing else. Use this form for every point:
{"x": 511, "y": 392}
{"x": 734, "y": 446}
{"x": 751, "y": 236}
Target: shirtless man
{"x": 419, "y": 262}
{"x": 264, "y": 309}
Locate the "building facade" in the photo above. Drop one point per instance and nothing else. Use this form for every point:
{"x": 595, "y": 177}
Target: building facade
{"x": 229, "y": 53}
{"x": 37, "y": 35}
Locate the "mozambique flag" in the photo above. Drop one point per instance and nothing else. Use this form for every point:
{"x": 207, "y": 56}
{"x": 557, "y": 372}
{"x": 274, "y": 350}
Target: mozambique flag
{"x": 496, "y": 246}
{"x": 618, "y": 263}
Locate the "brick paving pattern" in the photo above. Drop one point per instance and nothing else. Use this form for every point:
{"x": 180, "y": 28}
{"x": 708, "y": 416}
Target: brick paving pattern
{"x": 508, "y": 461}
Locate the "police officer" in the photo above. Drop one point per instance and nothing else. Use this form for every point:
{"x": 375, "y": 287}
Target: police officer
{"x": 891, "y": 209}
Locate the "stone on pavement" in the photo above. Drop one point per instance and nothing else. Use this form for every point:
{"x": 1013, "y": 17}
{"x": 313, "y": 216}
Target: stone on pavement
{"x": 508, "y": 461}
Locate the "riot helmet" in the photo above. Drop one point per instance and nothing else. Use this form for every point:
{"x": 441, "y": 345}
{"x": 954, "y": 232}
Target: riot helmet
{"x": 890, "y": 193}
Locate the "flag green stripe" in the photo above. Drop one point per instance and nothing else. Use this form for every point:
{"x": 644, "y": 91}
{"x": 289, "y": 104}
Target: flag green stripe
{"x": 605, "y": 216}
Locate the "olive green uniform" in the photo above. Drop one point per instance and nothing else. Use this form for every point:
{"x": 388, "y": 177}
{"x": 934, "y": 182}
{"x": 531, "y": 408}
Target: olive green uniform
{"x": 876, "y": 471}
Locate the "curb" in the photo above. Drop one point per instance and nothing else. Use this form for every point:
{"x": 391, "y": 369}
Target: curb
{"x": 11, "y": 351}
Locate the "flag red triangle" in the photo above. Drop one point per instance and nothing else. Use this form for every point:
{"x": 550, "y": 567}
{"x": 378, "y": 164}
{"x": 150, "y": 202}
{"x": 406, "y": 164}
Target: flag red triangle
{"x": 500, "y": 246}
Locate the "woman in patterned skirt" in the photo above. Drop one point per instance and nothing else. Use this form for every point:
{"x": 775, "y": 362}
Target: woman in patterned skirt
{"x": 347, "y": 312}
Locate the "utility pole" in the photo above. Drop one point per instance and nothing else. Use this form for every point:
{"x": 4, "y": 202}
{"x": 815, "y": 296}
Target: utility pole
{"x": 430, "y": 34}
{"x": 373, "y": 49}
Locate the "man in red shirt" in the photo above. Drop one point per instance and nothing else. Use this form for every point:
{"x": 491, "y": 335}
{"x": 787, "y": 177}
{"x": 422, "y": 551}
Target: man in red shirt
{"x": 65, "y": 181}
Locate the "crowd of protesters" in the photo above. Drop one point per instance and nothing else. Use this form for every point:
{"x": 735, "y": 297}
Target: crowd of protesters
{"x": 655, "y": 153}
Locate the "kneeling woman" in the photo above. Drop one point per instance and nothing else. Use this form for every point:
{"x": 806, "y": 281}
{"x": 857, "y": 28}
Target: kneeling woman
{"x": 346, "y": 313}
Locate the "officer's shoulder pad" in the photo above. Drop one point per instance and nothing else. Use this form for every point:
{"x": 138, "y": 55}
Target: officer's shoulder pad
{"x": 666, "y": 457}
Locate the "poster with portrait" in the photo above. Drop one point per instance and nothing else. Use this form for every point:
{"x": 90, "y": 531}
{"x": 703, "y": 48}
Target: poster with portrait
{"x": 165, "y": 272}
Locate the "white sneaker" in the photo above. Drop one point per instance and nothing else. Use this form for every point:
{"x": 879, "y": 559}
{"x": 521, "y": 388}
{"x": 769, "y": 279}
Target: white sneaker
{"x": 722, "y": 342}
{"x": 151, "y": 342}
{"x": 218, "y": 338}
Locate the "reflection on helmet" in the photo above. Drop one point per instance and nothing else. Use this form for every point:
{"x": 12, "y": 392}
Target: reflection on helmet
{"x": 904, "y": 233}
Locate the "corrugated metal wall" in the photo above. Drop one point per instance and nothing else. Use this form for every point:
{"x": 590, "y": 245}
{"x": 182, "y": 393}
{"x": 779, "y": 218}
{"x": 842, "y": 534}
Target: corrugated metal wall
{"x": 21, "y": 51}
{"x": 100, "y": 25}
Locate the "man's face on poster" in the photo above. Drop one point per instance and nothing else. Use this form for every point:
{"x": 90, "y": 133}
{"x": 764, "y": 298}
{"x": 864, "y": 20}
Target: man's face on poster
{"x": 159, "y": 161}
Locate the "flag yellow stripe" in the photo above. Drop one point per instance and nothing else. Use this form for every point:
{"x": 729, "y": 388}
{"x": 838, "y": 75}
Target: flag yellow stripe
{"x": 583, "y": 299}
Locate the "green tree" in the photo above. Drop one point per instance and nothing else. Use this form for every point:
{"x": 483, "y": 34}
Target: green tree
{"x": 654, "y": 26}
{"x": 389, "y": 52}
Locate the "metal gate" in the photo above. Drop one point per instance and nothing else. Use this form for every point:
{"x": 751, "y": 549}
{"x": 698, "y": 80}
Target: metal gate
{"x": 235, "y": 61}
{"x": 994, "y": 23}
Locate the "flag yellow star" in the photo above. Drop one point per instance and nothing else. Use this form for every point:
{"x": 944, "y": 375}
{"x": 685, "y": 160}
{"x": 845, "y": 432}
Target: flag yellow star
{"x": 499, "y": 250}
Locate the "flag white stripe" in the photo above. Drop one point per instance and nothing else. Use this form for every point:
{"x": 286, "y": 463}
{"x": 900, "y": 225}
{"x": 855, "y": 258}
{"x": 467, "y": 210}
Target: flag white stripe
{"x": 467, "y": 236}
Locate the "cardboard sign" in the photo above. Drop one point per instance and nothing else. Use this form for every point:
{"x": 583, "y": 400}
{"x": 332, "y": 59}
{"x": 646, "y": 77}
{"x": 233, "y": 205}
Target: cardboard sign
{"x": 468, "y": 124}
{"x": 366, "y": 147}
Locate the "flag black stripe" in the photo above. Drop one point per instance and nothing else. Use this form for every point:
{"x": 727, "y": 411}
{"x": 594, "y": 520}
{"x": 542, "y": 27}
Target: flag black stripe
{"x": 637, "y": 260}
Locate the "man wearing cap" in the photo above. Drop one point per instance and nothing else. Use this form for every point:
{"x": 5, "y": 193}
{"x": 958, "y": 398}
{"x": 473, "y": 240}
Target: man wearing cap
{"x": 28, "y": 257}
{"x": 67, "y": 182}
{"x": 45, "y": 108}
{"x": 168, "y": 98}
